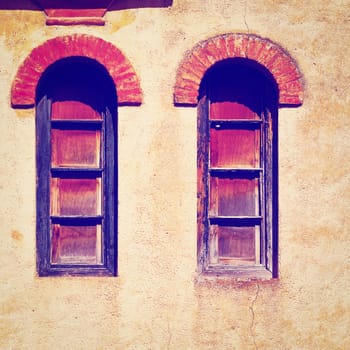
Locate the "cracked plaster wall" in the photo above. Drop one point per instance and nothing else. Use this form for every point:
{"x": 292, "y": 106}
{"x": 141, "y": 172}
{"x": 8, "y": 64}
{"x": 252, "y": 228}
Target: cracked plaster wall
{"x": 155, "y": 303}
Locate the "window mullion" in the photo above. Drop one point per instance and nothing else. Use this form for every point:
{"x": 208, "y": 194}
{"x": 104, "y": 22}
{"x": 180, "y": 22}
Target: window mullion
{"x": 203, "y": 183}
{"x": 268, "y": 188}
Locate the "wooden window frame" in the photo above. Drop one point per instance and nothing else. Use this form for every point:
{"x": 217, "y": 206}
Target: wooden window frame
{"x": 268, "y": 172}
{"x": 108, "y": 174}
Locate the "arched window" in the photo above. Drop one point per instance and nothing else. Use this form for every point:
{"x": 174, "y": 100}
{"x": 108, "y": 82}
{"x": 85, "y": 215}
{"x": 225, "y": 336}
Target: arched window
{"x": 76, "y": 130}
{"x": 237, "y": 170}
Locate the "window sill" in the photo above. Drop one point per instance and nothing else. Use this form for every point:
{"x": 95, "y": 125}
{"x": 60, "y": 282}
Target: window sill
{"x": 63, "y": 270}
{"x": 241, "y": 273}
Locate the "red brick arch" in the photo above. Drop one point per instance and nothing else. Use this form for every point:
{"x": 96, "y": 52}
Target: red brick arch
{"x": 118, "y": 66}
{"x": 279, "y": 63}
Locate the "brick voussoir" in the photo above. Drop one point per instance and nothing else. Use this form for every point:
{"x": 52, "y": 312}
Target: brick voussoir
{"x": 119, "y": 68}
{"x": 270, "y": 55}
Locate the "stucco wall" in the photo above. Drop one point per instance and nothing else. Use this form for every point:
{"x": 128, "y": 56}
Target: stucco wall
{"x": 156, "y": 303}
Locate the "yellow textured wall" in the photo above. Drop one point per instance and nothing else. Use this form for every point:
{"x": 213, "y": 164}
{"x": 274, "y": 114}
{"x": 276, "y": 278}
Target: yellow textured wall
{"x": 155, "y": 303}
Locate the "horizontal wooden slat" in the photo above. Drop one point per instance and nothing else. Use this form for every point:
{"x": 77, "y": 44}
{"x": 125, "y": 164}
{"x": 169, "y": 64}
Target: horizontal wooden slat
{"x": 76, "y": 124}
{"x": 247, "y": 173}
{"x": 235, "y": 220}
{"x": 237, "y": 123}
{"x": 85, "y": 173}
{"x": 78, "y": 220}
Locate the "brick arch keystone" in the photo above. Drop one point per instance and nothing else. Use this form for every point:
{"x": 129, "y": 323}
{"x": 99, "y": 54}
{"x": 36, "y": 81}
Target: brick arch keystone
{"x": 270, "y": 55}
{"x": 117, "y": 65}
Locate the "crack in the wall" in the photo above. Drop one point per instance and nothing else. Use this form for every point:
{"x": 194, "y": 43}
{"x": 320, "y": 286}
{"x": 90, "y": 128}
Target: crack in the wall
{"x": 245, "y": 15}
{"x": 169, "y": 336}
{"x": 251, "y": 308}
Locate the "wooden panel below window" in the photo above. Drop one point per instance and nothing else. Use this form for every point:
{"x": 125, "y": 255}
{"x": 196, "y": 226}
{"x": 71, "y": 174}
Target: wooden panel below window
{"x": 75, "y": 197}
{"x": 231, "y": 110}
{"x": 237, "y": 245}
{"x": 234, "y": 197}
{"x": 234, "y": 148}
{"x": 76, "y": 244}
{"x": 79, "y": 148}
{"x": 73, "y": 110}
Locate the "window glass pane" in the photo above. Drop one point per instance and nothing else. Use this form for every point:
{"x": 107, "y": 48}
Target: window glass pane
{"x": 79, "y": 148}
{"x": 75, "y": 196}
{"x": 231, "y": 110}
{"x": 234, "y": 148}
{"x": 234, "y": 197}
{"x": 76, "y": 244}
{"x": 73, "y": 110}
{"x": 237, "y": 245}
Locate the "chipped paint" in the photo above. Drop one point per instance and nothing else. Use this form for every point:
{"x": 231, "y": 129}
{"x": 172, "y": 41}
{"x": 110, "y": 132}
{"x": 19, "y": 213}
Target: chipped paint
{"x": 17, "y": 27}
{"x": 17, "y": 236}
{"x": 119, "y": 20}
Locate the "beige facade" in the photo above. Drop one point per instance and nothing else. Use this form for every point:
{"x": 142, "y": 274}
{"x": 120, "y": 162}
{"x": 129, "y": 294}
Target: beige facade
{"x": 157, "y": 302}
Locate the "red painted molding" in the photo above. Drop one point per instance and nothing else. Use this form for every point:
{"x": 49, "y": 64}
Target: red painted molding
{"x": 118, "y": 66}
{"x": 71, "y": 21}
{"x": 68, "y": 12}
{"x": 270, "y": 55}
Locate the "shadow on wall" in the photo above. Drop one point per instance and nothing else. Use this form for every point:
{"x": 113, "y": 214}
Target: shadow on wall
{"x": 131, "y": 4}
{"x": 115, "y": 5}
